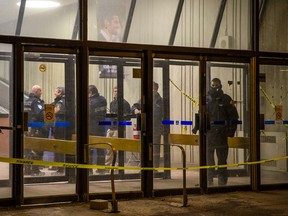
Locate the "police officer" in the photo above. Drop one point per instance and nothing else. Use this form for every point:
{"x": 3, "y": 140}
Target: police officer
{"x": 97, "y": 113}
{"x": 223, "y": 116}
{"x": 35, "y": 108}
{"x": 59, "y": 130}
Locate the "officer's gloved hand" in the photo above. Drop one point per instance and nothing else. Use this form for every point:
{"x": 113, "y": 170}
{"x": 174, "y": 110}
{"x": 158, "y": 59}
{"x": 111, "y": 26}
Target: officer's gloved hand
{"x": 194, "y": 130}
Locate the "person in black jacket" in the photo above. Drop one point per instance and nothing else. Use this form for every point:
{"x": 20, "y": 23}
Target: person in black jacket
{"x": 113, "y": 130}
{"x": 97, "y": 113}
{"x": 223, "y": 116}
{"x": 157, "y": 121}
{"x": 35, "y": 108}
{"x": 58, "y": 129}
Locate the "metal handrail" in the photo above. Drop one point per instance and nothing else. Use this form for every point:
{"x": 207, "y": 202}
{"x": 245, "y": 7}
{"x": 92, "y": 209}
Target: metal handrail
{"x": 185, "y": 198}
{"x": 114, "y": 202}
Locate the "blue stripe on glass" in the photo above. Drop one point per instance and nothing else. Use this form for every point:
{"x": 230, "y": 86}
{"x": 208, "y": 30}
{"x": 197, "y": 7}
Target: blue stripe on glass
{"x": 125, "y": 123}
{"x": 285, "y": 121}
{"x": 167, "y": 122}
{"x": 186, "y": 123}
{"x": 35, "y": 124}
{"x": 105, "y": 123}
{"x": 62, "y": 124}
{"x": 269, "y": 122}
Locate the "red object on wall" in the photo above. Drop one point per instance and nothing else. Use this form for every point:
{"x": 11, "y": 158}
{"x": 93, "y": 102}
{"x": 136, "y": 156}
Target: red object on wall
{"x": 136, "y": 133}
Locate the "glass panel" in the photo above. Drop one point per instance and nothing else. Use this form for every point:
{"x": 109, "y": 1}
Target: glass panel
{"x": 174, "y": 126}
{"x": 228, "y": 120}
{"x": 151, "y": 22}
{"x": 8, "y": 17}
{"x": 6, "y": 118}
{"x": 49, "y": 87}
{"x": 51, "y": 22}
{"x": 107, "y": 19}
{"x": 273, "y": 25}
{"x": 198, "y": 25}
{"x": 273, "y": 97}
{"x": 113, "y": 89}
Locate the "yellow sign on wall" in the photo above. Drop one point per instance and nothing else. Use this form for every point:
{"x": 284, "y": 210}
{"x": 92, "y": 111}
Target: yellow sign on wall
{"x": 49, "y": 114}
{"x": 278, "y": 112}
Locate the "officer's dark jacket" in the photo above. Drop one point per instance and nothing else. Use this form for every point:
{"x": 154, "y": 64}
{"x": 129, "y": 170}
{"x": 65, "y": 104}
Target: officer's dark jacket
{"x": 97, "y": 112}
{"x": 114, "y": 110}
{"x": 223, "y": 115}
{"x": 157, "y": 112}
{"x": 60, "y": 102}
{"x": 35, "y": 108}
{"x": 59, "y": 131}
{"x": 114, "y": 107}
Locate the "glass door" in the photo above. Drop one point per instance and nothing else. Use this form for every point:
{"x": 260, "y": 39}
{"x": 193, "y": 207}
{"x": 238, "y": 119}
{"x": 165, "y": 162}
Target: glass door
{"x": 114, "y": 118}
{"x": 49, "y": 102}
{"x": 227, "y": 123}
{"x": 6, "y": 119}
{"x": 273, "y": 137}
{"x": 175, "y": 104}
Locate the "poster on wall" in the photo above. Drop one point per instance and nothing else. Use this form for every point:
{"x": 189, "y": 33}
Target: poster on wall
{"x": 111, "y": 18}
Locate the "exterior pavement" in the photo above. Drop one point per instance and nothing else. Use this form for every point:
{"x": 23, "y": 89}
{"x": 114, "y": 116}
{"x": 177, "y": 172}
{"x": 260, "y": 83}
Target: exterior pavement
{"x": 233, "y": 203}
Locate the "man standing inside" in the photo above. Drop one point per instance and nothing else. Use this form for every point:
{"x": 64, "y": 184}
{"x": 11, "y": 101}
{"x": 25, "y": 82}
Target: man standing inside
{"x": 157, "y": 121}
{"x": 59, "y": 130}
{"x": 113, "y": 130}
{"x": 97, "y": 113}
{"x": 223, "y": 116}
{"x": 35, "y": 108}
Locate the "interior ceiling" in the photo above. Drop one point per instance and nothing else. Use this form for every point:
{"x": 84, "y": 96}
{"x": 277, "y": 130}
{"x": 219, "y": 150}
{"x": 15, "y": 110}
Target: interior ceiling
{"x": 9, "y": 9}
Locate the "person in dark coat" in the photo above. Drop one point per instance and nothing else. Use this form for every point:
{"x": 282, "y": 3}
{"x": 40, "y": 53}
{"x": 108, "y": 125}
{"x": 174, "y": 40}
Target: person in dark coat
{"x": 97, "y": 113}
{"x": 223, "y": 117}
{"x": 157, "y": 121}
{"x": 59, "y": 130}
{"x": 113, "y": 130}
{"x": 34, "y": 105}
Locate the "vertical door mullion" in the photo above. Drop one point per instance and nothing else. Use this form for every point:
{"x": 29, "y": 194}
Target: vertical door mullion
{"x": 18, "y": 150}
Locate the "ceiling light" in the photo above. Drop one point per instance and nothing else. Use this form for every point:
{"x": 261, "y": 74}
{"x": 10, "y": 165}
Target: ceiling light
{"x": 40, "y": 4}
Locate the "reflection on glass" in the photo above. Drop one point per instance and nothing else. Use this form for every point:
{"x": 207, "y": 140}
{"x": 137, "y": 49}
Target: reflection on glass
{"x": 50, "y": 22}
{"x": 273, "y": 21}
{"x": 273, "y": 136}
{"x": 6, "y": 119}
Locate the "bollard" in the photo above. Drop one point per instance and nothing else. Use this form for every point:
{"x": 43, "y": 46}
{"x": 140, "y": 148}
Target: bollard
{"x": 113, "y": 202}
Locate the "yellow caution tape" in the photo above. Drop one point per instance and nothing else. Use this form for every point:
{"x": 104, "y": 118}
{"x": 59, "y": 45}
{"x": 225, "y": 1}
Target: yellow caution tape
{"x": 188, "y": 96}
{"x": 267, "y": 97}
{"x": 89, "y": 166}
{"x": 269, "y": 100}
